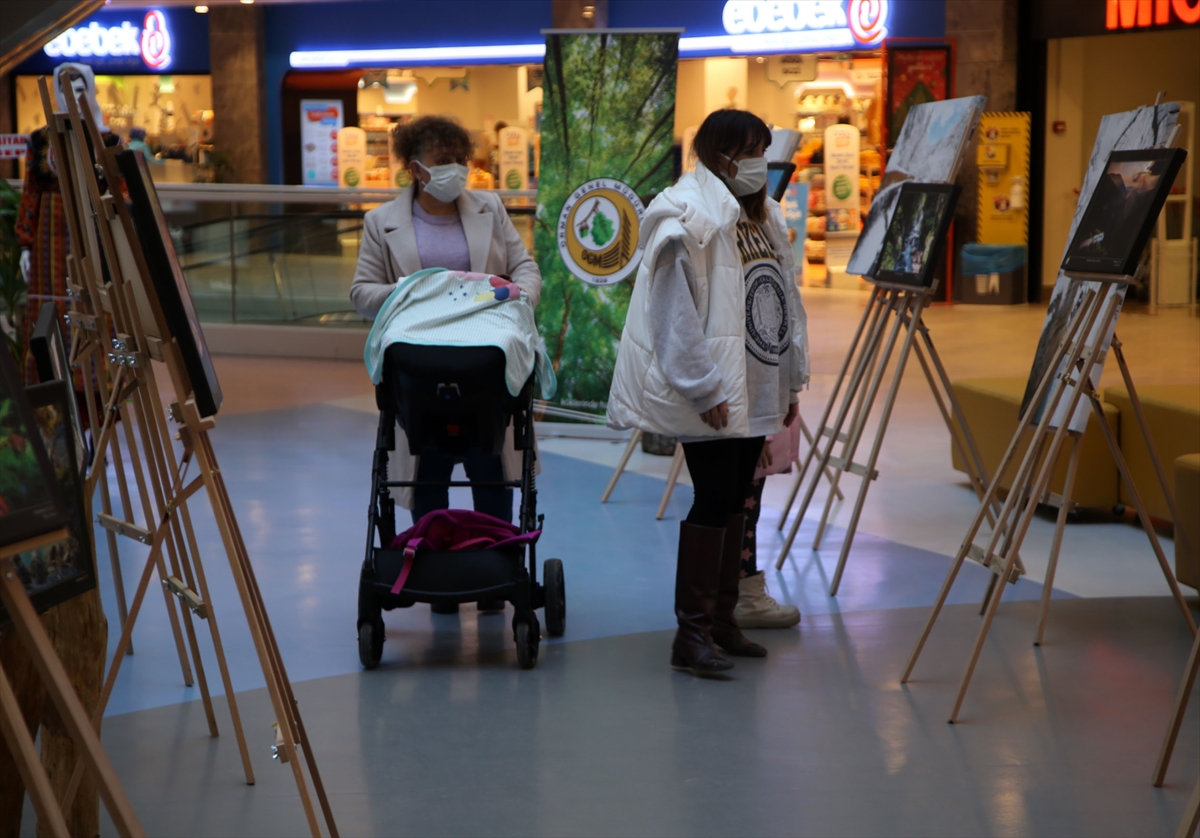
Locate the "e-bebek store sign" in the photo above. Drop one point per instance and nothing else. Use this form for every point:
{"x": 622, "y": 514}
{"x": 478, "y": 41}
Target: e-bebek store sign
{"x": 130, "y": 41}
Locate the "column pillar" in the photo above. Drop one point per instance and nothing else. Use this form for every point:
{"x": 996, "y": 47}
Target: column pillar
{"x": 237, "y": 53}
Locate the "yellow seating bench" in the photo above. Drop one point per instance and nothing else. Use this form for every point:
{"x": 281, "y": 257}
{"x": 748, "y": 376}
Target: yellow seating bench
{"x": 1173, "y": 417}
{"x": 1187, "y": 529}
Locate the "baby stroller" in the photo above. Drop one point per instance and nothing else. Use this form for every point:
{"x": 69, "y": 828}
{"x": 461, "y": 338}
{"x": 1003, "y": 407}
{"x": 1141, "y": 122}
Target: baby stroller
{"x": 454, "y": 398}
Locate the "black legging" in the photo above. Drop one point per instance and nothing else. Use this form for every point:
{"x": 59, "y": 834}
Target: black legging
{"x": 722, "y": 471}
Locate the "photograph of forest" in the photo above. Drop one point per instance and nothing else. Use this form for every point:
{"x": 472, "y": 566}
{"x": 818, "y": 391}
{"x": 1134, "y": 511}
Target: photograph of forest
{"x": 910, "y": 245}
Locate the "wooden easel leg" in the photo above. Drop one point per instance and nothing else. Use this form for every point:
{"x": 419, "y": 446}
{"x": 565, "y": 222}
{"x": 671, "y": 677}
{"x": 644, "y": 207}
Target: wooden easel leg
{"x": 612, "y": 483}
{"x": 1077, "y": 388}
{"x": 917, "y": 303}
{"x": 1163, "y": 483}
{"x": 1055, "y": 545}
{"x": 673, "y": 476}
{"x": 59, "y": 688}
{"x": 886, "y": 300}
{"x": 1072, "y": 346}
{"x": 799, "y": 478}
{"x": 29, "y": 764}
{"x": 286, "y": 711}
{"x": 865, "y": 400}
{"x": 1123, "y": 468}
{"x": 1181, "y": 702}
{"x": 1043, "y": 480}
{"x": 114, "y": 557}
{"x": 867, "y": 326}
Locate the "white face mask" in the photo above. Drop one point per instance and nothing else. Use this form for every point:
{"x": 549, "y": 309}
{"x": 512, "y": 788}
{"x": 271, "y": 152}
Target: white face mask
{"x": 751, "y": 176}
{"x": 446, "y": 182}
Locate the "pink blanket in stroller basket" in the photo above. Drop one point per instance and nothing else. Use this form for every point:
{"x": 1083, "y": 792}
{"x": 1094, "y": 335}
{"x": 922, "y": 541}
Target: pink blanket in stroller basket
{"x": 455, "y": 530}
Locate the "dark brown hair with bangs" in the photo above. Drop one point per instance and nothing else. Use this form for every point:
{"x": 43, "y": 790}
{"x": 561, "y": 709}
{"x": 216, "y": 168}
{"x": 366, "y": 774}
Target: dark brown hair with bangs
{"x": 733, "y": 132}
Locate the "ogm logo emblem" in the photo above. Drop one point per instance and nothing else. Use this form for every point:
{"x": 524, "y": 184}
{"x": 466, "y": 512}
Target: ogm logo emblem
{"x": 598, "y": 231}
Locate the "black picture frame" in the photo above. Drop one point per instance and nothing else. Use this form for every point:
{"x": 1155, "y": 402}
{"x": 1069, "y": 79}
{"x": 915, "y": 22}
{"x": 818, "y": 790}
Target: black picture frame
{"x": 30, "y": 501}
{"x": 779, "y": 175}
{"x": 170, "y": 286}
{"x": 916, "y": 234}
{"x": 1122, "y": 211}
{"x": 63, "y": 569}
{"x": 49, "y": 350}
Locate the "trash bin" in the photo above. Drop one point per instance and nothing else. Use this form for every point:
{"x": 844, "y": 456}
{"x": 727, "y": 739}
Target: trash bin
{"x": 993, "y": 274}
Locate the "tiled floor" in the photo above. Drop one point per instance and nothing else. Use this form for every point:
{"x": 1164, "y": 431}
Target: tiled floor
{"x": 448, "y": 737}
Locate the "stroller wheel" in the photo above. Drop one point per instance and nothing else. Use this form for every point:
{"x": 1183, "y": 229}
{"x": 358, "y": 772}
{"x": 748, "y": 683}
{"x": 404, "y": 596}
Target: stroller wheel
{"x": 528, "y": 636}
{"x": 370, "y": 644}
{"x": 556, "y": 597}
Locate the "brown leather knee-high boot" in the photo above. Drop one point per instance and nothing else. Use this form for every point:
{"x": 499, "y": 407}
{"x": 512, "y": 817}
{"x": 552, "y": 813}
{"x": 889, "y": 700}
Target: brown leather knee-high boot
{"x": 696, "y": 581}
{"x": 725, "y": 631}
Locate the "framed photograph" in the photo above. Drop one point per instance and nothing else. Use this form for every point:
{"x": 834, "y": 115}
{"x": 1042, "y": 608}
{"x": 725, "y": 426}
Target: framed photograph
{"x": 56, "y": 572}
{"x": 913, "y": 242}
{"x": 170, "y": 286}
{"x": 1122, "y": 211}
{"x": 50, "y": 356}
{"x": 30, "y": 501}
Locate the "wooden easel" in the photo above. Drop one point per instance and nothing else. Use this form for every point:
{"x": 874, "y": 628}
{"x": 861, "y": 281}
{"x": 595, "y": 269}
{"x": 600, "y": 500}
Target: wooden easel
{"x": 20, "y": 744}
{"x": 677, "y": 463}
{"x": 1186, "y": 684}
{"x": 1068, "y": 379}
{"x": 139, "y": 336}
{"x": 866, "y": 365}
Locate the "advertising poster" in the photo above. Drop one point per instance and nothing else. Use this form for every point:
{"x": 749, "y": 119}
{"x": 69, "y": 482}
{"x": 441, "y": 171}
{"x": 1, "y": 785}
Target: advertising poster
{"x": 915, "y": 75}
{"x": 352, "y": 157}
{"x": 841, "y": 179}
{"x": 514, "y": 158}
{"x": 607, "y": 131}
{"x": 320, "y": 121}
{"x": 1003, "y": 159}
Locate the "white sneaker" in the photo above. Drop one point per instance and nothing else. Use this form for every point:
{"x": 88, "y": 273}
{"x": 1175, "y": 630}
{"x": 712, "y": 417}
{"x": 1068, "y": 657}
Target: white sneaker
{"x": 756, "y": 609}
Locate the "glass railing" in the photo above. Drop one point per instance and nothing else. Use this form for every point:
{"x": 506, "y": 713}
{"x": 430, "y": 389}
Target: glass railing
{"x": 281, "y": 254}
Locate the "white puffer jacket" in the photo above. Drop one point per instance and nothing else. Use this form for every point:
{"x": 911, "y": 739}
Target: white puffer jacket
{"x": 700, "y": 211}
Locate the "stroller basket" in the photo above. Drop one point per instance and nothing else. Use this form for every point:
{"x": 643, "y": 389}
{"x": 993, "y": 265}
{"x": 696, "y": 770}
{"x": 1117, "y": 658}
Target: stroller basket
{"x": 454, "y": 399}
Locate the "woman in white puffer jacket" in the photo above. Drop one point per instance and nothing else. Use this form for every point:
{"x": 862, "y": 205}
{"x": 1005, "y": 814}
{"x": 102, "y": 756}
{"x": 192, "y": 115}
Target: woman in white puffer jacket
{"x": 714, "y": 352}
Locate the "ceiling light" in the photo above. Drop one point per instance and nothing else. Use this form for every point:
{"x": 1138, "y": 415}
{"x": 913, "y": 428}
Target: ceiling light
{"x": 202, "y": 10}
{"x": 247, "y": 2}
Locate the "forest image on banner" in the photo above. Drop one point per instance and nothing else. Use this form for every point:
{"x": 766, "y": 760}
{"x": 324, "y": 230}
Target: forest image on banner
{"x": 607, "y": 130}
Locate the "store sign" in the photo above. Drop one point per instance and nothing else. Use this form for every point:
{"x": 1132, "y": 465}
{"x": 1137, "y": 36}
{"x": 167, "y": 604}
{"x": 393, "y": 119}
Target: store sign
{"x": 12, "y": 146}
{"x": 808, "y": 23}
{"x": 320, "y": 121}
{"x": 151, "y": 41}
{"x": 1146, "y": 14}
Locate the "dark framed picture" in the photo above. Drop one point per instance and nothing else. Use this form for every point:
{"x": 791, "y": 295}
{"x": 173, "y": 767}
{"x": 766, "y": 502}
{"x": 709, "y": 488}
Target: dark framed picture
{"x": 56, "y": 572}
{"x": 170, "y": 286}
{"x": 1117, "y": 222}
{"x": 913, "y": 242}
{"x": 779, "y": 175}
{"x": 30, "y": 501}
{"x": 50, "y": 356}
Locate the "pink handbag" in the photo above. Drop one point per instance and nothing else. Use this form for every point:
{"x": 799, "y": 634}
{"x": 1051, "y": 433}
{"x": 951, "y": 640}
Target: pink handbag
{"x": 785, "y": 449}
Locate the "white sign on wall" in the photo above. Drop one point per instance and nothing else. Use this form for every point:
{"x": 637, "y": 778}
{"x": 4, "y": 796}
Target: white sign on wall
{"x": 513, "y": 158}
{"x": 12, "y": 146}
{"x": 352, "y": 157}
{"x": 841, "y": 178}
{"x": 320, "y": 121}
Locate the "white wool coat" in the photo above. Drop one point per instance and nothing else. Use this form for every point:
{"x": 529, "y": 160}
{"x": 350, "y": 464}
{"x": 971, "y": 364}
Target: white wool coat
{"x": 700, "y": 211}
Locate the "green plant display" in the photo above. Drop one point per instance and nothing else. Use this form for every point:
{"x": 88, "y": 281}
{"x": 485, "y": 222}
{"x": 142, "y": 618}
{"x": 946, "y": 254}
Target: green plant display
{"x": 608, "y": 111}
{"x": 12, "y": 283}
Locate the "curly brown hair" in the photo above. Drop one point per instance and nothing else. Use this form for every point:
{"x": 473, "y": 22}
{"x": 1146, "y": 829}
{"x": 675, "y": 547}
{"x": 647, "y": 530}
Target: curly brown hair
{"x": 431, "y": 132}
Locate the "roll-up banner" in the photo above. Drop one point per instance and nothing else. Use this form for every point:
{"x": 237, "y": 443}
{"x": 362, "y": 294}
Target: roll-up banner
{"x": 608, "y": 119}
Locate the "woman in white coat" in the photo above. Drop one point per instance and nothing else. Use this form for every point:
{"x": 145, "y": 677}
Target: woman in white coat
{"x": 437, "y": 223}
{"x": 714, "y": 352}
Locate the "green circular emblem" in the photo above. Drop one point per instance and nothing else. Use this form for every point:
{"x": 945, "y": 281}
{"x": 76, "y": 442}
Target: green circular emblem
{"x": 512, "y": 180}
{"x": 352, "y": 176}
{"x": 841, "y": 187}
